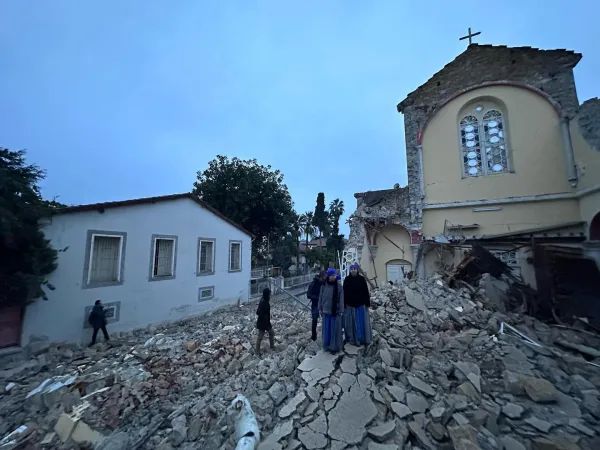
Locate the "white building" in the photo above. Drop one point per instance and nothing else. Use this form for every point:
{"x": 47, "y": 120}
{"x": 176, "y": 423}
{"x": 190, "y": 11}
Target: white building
{"x": 149, "y": 260}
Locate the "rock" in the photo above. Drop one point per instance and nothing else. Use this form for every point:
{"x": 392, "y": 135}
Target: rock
{"x": 469, "y": 391}
{"x": 460, "y": 419}
{"x": 437, "y": 430}
{"x": 464, "y": 437}
{"x": 415, "y": 299}
{"x": 348, "y": 419}
{"x": 376, "y": 446}
{"x": 318, "y": 367}
{"x": 420, "y": 435}
{"x": 580, "y": 384}
{"x": 539, "y": 390}
{"x": 421, "y": 386}
{"x": 293, "y": 405}
{"x": 511, "y": 443}
{"x": 539, "y": 424}
{"x": 513, "y": 411}
{"x": 180, "y": 430}
{"x": 514, "y": 383}
{"x": 437, "y": 413}
{"x": 346, "y": 381}
{"x": 383, "y": 432}
{"x": 234, "y": 366}
{"x": 416, "y": 403}
{"x": 400, "y": 410}
{"x": 349, "y": 365}
{"x": 553, "y": 443}
{"x": 115, "y": 441}
{"x": 462, "y": 369}
{"x": 312, "y": 436}
{"x": 475, "y": 381}
{"x": 386, "y": 357}
{"x": 195, "y": 428}
{"x": 278, "y": 393}
{"x": 580, "y": 426}
{"x": 397, "y": 392}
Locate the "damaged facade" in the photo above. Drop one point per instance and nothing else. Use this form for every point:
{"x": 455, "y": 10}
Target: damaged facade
{"x": 499, "y": 152}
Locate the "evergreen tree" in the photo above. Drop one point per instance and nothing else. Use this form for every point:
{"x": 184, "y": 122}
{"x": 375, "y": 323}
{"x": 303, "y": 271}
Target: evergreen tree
{"x": 26, "y": 256}
{"x": 320, "y": 219}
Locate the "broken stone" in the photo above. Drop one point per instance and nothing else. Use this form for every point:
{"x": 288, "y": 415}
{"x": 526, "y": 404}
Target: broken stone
{"x": 421, "y": 386}
{"x": 353, "y": 412}
{"x": 416, "y": 403}
{"x": 312, "y": 436}
{"x": 179, "y": 430}
{"x": 539, "y": 390}
{"x": 539, "y": 424}
{"x": 511, "y": 443}
{"x": 400, "y": 410}
{"x": 437, "y": 430}
{"x": 420, "y": 435}
{"x": 464, "y": 437}
{"x": 415, "y": 299}
{"x": 553, "y": 443}
{"x": 349, "y": 365}
{"x": 383, "y": 432}
{"x": 397, "y": 392}
{"x": 376, "y": 446}
{"x": 386, "y": 357}
{"x": 513, "y": 410}
{"x": 579, "y": 425}
{"x": 292, "y": 405}
{"x": 278, "y": 393}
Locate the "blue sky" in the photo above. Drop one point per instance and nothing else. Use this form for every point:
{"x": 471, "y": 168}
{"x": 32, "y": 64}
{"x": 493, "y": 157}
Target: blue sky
{"x": 122, "y": 99}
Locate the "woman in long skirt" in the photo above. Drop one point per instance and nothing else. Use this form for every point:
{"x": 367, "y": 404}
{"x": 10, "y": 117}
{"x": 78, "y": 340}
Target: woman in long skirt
{"x": 331, "y": 308}
{"x": 357, "y": 322}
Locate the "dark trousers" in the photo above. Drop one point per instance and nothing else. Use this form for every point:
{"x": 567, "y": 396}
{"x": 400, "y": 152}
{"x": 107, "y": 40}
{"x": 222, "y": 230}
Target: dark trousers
{"x": 313, "y": 335}
{"x": 103, "y": 328}
{"x": 261, "y": 335}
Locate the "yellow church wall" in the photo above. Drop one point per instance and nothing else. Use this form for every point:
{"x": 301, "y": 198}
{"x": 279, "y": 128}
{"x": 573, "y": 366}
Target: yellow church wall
{"x": 386, "y": 252}
{"x": 533, "y": 140}
{"x": 587, "y": 159}
{"x": 511, "y": 217}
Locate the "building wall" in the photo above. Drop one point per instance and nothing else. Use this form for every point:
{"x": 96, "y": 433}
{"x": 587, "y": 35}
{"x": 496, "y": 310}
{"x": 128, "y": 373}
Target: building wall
{"x": 589, "y": 206}
{"x": 510, "y": 217}
{"x": 533, "y": 140}
{"x": 140, "y": 302}
{"x": 387, "y": 252}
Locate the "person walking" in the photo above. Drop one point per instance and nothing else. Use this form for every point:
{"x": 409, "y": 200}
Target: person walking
{"x": 357, "y": 322}
{"x": 331, "y": 308}
{"x": 263, "y": 322}
{"x": 314, "y": 289}
{"x": 97, "y": 320}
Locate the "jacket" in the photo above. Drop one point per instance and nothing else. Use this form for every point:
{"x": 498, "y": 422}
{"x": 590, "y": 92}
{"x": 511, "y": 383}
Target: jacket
{"x": 356, "y": 291}
{"x": 314, "y": 289}
{"x": 97, "y": 319}
{"x": 263, "y": 323}
{"x": 326, "y": 300}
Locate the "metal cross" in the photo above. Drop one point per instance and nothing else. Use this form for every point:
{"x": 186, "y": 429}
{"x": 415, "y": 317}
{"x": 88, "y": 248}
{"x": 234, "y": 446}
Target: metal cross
{"x": 470, "y": 35}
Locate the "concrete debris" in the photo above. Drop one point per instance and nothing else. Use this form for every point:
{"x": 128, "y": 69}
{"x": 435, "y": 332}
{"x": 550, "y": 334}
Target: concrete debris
{"x": 439, "y": 374}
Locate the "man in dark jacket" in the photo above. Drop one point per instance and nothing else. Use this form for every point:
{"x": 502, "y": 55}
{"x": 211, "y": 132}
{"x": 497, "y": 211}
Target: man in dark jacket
{"x": 314, "y": 289}
{"x": 97, "y": 320}
{"x": 263, "y": 323}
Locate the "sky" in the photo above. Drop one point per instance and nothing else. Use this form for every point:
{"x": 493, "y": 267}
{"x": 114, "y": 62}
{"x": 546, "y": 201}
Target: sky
{"x": 121, "y": 99}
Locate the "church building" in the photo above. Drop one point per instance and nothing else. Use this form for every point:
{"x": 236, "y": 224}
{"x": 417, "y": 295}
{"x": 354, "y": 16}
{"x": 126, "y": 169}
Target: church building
{"x": 500, "y": 152}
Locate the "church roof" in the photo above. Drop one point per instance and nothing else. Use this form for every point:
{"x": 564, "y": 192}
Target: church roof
{"x": 491, "y": 63}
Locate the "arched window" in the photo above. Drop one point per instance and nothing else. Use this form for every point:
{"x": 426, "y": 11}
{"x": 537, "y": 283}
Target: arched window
{"x": 483, "y": 141}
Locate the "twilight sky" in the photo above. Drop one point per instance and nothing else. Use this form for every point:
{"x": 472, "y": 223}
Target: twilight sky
{"x": 121, "y": 99}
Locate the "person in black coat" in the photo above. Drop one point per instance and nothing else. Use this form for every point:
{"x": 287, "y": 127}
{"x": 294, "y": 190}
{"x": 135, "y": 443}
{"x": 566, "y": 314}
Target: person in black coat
{"x": 314, "y": 289}
{"x": 263, "y": 322}
{"x": 357, "y": 322}
{"x": 97, "y": 320}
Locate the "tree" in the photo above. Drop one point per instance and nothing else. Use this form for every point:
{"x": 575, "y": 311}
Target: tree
{"x": 297, "y": 225}
{"x": 282, "y": 252}
{"x": 320, "y": 256}
{"x": 248, "y": 193}
{"x": 320, "y": 219}
{"x": 26, "y": 256}
{"x": 336, "y": 210}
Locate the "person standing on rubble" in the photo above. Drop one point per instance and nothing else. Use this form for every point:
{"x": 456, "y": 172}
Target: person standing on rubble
{"x": 97, "y": 320}
{"x": 263, "y": 322}
{"x": 331, "y": 308}
{"x": 357, "y": 322}
{"x": 313, "y": 294}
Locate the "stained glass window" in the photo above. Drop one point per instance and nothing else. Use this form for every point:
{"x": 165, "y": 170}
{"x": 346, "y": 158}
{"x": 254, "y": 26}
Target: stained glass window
{"x": 471, "y": 149}
{"x": 482, "y": 141}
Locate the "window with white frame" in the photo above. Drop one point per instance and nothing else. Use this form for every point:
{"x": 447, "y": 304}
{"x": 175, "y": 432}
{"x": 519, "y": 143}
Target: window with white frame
{"x": 235, "y": 256}
{"x": 163, "y": 257}
{"x": 105, "y": 259}
{"x": 206, "y": 256}
{"x": 483, "y": 140}
{"x": 509, "y": 258}
{"x": 206, "y": 293}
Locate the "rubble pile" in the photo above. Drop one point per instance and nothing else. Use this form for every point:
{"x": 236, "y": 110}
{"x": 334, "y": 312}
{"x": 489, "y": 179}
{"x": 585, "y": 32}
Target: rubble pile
{"x": 443, "y": 372}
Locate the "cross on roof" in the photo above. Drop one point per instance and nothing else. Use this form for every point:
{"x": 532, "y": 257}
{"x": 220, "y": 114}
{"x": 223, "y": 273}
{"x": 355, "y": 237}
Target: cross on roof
{"x": 470, "y": 35}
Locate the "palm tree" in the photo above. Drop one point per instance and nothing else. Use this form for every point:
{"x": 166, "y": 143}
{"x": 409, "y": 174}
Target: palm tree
{"x": 307, "y": 226}
{"x": 297, "y": 224}
{"x": 336, "y": 209}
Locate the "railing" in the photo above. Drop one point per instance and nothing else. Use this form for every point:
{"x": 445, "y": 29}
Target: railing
{"x": 256, "y": 288}
{"x": 296, "y": 281}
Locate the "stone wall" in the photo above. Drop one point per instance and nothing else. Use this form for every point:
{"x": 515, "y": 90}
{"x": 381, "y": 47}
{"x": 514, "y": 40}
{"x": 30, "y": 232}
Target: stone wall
{"x": 589, "y": 122}
{"x": 550, "y": 71}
